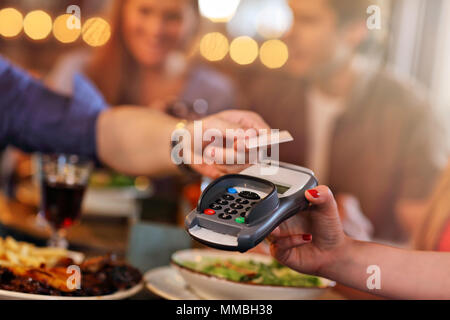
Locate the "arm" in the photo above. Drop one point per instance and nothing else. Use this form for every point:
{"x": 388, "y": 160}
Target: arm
{"x": 34, "y": 118}
{"x": 137, "y": 140}
{"x": 331, "y": 254}
{"x": 404, "y": 274}
{"x": 129, "y": 139}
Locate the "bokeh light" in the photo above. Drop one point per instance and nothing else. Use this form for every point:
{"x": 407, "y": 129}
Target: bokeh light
{"x": 274, "y": 54}
{"x": 274, "y": 20}
{"x": 244, "y": 50}
{"x": 37, "y": 25}
{"x": 214, "y": 46}
{"x": 142, "y": 183}
{"x": 96, "y": 32}
{"x": 62, "y": 32}
{"x": 261, "y": 19}
{"x": 11, "y": 22}
{"x": 218, "y": 10}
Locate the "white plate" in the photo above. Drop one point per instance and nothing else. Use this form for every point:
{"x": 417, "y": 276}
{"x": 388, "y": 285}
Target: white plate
{"x": 211, "y": 287}
{"x": 12, "y": 295}
{"x": 167, "y": 283}
{"x": 113, "y": 202}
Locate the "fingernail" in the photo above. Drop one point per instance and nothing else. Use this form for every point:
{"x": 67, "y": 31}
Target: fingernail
{"x": 314, "y": 193}
{"x": 307, "y": 237}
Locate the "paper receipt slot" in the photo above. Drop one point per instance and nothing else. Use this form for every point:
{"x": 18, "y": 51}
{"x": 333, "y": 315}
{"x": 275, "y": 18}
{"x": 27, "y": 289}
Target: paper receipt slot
{"x": 237, "y": 211}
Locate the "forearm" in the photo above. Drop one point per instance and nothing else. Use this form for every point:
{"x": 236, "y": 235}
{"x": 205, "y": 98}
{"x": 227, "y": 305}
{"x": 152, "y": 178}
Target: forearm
{"x": 135, "y": 141}
{"x": 34, "y": 118}
{"x": 404, "y": 274}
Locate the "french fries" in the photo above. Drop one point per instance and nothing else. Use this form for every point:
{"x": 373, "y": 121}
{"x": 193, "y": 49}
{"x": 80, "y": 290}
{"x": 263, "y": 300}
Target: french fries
{"x": 15, "y": 253}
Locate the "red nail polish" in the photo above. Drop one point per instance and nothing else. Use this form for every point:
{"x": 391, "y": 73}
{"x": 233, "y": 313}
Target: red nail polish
{"x": 307, "y": 237}
{"x": 314, "y": 193}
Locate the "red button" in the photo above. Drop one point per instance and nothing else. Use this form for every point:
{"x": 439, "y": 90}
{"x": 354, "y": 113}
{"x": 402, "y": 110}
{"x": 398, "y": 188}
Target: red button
{"x": 209, "y": 212}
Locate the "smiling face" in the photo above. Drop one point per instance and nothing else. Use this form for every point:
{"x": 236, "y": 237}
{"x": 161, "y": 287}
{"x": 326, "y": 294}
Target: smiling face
{"x": 153, "y": 28}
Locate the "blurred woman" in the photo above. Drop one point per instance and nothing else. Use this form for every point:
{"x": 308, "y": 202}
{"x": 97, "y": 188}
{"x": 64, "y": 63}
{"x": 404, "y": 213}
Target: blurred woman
{"x": 434, "y": 231}
{"x": 149, "y": 61}
{"x": 146, "y": 61}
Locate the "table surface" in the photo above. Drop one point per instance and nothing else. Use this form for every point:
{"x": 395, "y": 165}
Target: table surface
{"x": 102, "y": 236}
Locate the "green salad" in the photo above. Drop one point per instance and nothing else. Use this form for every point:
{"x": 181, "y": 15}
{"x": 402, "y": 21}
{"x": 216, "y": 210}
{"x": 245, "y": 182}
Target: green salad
{"x": 250, "y": 271}
{"x": 109, "y": 179}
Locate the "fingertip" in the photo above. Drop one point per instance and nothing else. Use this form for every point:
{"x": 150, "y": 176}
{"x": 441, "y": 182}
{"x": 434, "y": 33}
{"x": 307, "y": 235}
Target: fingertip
{"x": 318, "y": 194}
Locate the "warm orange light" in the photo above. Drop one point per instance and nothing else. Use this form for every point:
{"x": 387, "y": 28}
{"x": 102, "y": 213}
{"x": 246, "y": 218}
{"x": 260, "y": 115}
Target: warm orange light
{"x": 11, "y": 22}
{"x": 63, "y": 32}
{"x": 214, "y": 46}
{"x": 274, "y": 54}
{"x": 96, "y": 32}
{"x": 37, "y": 25}
{"x": 244, "y": 50}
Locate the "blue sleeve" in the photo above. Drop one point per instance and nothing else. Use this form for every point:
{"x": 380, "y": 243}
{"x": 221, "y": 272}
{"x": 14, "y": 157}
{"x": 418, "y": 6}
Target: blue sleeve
{"x": 33, "y": 118}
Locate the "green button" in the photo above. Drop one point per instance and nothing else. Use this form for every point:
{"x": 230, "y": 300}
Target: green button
{"x": 240, "y": 220}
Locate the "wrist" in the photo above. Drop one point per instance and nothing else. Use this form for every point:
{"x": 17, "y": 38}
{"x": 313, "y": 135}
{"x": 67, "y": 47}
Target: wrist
{"x": 339, "y": 259}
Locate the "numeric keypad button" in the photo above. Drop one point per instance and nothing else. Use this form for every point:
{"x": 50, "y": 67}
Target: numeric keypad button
{"x": 235, "y": 206}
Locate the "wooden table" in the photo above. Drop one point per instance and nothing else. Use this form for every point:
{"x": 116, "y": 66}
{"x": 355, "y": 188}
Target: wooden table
{"x": 99, "y": 236}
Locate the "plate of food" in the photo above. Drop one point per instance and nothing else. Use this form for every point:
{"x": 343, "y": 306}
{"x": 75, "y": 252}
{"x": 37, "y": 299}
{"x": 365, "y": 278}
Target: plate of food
{"x": 220, "y": 275}
{"x": 167, "y": 283}
{"x": 28, "y": 272}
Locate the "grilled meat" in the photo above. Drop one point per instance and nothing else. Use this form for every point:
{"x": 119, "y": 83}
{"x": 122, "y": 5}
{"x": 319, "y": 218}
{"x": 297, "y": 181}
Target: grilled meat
{"x": 99, "y": 276}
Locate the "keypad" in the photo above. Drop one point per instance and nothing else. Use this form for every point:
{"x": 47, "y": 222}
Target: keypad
{"x": 236, "y": 206}
{"x": 209, "y": 212}
{"x": 249, "y": 195}
{"x": 215, "y": 206}
{"x": 233, "y": 206}
{"x": 230, "y": 211}
{"x": 232, "y": 190}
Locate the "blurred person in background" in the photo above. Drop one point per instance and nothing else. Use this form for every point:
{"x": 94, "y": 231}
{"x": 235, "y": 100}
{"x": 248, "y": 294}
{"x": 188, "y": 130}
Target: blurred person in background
{"x": 148, "y": 62}
{"x": 366, "y": 133}
{"x": 433, "y": 233}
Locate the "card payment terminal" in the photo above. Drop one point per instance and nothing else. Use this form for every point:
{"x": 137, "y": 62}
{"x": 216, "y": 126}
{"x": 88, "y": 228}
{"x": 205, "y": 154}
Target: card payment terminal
{"x": 237, "y": 211}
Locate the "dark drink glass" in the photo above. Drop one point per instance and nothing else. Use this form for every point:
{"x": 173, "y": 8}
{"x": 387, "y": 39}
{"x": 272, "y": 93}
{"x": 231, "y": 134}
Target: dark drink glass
{"x": 64, "y": 179}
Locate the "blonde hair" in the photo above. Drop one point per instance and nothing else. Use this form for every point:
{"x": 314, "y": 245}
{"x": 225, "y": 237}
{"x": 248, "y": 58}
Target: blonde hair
{"x": 437, "y": 216}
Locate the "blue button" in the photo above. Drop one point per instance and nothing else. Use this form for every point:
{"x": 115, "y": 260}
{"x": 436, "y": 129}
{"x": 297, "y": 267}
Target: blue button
{"x": 232, "y": 190}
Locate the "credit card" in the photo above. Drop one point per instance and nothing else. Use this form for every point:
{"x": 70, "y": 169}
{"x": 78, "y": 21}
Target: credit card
{"x": 269, "y": 139}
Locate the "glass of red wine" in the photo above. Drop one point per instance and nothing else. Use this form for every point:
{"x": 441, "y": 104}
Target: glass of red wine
{"x": 64, "y": 179}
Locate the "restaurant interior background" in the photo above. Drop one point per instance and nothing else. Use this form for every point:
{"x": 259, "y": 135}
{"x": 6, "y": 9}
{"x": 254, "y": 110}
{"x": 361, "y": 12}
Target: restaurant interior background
{"x": 238, "y": 38}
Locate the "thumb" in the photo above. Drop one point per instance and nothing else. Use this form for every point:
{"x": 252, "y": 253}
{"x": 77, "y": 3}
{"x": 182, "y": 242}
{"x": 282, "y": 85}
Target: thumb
{"x": 322, "y": 200}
